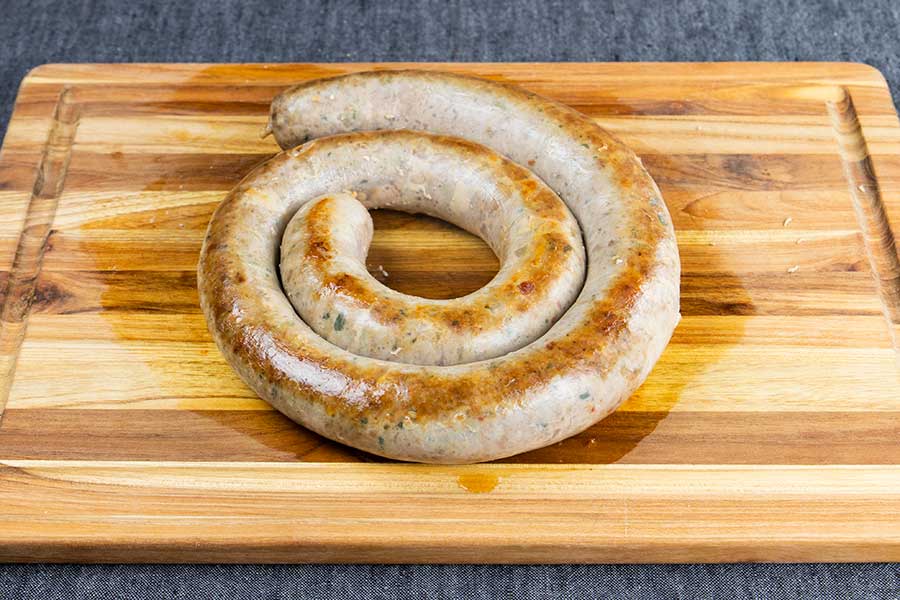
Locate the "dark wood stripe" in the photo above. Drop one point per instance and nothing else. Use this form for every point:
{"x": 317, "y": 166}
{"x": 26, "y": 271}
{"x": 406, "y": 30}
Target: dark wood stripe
{"x": 85, "y": 291}
{"x": 788, "y": 294}
{"x": 746, "y": 171}
{"x": 809, "y": 438}
{"x": 172, "y": 172}
{"x": 117, "y": 171}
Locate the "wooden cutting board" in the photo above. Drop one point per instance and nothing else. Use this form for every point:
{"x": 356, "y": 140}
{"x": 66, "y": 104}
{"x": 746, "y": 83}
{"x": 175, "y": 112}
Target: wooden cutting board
{"x": 769, "y": 429}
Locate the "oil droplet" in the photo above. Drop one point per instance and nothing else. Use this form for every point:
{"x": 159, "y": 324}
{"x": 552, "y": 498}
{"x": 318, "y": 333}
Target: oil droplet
{"x": 478, "y": 483}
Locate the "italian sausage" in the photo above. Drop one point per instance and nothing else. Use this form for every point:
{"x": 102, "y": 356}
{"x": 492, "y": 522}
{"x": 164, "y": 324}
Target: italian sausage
{"x": 324, "y": 247}
{"x": 592, "y": 358}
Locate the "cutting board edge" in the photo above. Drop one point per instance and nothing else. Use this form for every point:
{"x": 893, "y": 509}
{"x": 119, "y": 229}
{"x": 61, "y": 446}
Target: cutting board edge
{"x": 610, "y": 513}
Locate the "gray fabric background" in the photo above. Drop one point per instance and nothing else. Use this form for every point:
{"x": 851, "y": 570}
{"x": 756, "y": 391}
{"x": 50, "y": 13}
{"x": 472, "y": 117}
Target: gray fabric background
{"x": 349, "y": 582}
{"x": 40, "y": 31}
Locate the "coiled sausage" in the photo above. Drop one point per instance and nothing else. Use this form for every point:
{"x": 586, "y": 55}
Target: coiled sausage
{"x": 592, "y": 358}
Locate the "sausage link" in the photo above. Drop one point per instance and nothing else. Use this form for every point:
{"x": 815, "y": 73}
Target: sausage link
{"x": 589, "y": 361}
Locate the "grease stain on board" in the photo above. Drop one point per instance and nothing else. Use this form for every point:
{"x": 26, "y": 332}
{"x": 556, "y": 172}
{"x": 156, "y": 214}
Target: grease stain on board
{"x": 478, "y": 483}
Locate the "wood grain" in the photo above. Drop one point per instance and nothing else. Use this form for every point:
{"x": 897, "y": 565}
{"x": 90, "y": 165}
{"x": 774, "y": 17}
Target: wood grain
{"x": 324, "y": 512}
{"x": 865, "y": 189}
{"x": 767, "y": 431}
{"x": 255, "y": 434}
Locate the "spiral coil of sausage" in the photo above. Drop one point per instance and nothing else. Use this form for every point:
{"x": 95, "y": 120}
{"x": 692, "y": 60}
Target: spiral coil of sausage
{"x": 584, "y": 303}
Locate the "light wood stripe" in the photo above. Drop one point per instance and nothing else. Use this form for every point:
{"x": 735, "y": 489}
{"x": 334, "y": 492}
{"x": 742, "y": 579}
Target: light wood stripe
{"x": 311, "y": 512}
{"x": 692, "y": 209}
{"x": 688, "y": 377}
{"x": 212, "y": 133}
{"x": 754, "y": 330}
{"x": 447, "y": 250}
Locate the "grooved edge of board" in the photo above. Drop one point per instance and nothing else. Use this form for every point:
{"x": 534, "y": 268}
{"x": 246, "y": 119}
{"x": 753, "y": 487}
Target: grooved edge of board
{"x": 48, "y": 185}
{"x": 869, "y": 207}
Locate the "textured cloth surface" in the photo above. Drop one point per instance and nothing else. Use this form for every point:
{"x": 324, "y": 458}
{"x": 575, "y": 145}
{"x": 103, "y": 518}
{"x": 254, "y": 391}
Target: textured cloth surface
{"x": 41, "y": 31}
{"x": 432, "y": 582}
